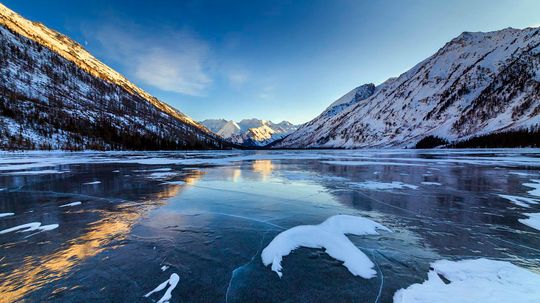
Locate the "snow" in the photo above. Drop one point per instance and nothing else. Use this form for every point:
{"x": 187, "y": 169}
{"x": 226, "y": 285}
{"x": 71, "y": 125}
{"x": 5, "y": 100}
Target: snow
{"x": 250, "y": 131}
{"x": 472, "y": 281}
{"x": 6, "y": 214}
{"x": 432, "y": 183}
{"x": 172, "y": 282}
{"x": 71, "y": 204}
{"x": 535, "y": 185}
{"x": 164, "y": 267}
{"x": 162, "y": 175}
{"x": 229, "y": 129}
{"x": 533, "y": 220}
{"x": 92, "y": 183}
{"x": 375, "y": 185}
{"x": 520, "y": 201}
{"x": 30, "y": 227}
{"x": 329, "y": 235}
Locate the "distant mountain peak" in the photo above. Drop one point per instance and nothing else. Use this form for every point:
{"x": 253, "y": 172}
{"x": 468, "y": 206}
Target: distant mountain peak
{"x": 250, "y": 132}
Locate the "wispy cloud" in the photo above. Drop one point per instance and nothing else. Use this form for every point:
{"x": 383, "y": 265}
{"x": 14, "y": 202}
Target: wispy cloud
{"x": 172, "y": 60}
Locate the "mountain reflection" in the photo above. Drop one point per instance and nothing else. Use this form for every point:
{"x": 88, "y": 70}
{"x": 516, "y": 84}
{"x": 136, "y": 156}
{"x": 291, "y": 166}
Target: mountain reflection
{"x": 113, "y": 226}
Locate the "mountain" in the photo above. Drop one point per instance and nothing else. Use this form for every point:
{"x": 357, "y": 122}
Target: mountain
{"x": 478, "y": 84}
{"x": 56, "y": 95}
{"x": 250, "y": 132}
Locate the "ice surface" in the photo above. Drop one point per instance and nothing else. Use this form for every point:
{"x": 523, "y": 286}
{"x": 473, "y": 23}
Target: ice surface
{"x": 478, "y": 280}
{"x": 71, "y": 204}
{"x": 329, "y": 235}
{"x": 375, "y": 185}
{"x": 536, "y": 186}
{"x": 172, "y": 282}
{"x": 6, "y": 214}
{"x": 33, "y": 226}
{"x": 533, "y": 220}
{"x": 36, "y": 172}
{"x": 520, "y": 201}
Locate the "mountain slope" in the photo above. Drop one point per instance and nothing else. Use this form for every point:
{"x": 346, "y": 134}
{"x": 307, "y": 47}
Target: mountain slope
{"x": 477, "y": 84}
{"x": 250, "y": 132}
{"x": 55, "y": 95}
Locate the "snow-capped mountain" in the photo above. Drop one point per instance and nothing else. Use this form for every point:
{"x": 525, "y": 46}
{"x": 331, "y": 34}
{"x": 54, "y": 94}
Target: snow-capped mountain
{"x": 250, "y": 132}
{"x": 56, "y": 95}
{"x": 477, "y": 84}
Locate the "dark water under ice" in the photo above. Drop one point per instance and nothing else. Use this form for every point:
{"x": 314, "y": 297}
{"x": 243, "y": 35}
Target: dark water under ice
{"x": 210, "y": 228}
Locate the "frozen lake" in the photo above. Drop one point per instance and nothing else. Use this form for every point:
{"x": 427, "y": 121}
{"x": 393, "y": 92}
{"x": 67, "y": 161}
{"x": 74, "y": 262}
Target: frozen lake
{"x": 111, "y": 227}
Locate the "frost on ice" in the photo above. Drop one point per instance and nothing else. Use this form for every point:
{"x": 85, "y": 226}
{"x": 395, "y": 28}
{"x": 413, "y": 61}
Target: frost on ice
{"x": 533, "y": 221}
{"x": 329, "y": 235}
{"x": 6, "y": 214}
{"x": 478, "y": 280}
{"x": 172, "y": 282}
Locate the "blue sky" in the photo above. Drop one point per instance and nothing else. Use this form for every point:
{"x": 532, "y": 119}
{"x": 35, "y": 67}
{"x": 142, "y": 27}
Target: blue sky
{"x": 276, "y": 60}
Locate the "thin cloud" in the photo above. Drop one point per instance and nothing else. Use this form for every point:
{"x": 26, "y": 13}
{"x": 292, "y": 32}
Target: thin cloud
{"x": 172, "y": 60}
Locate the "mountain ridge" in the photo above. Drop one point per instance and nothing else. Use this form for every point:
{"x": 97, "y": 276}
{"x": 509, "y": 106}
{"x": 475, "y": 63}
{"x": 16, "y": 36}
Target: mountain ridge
{"x": 56, "y": 95}
{"x": 476, "y": 84}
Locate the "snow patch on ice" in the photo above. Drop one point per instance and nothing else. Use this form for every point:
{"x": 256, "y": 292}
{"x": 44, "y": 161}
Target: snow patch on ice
{"x": 478, "y": 280}
{"x": 162, "y": 175}
{"x": 362, "y": 163}
{"x": 6, "y": 214}
{"x": 329, "y": 235}
{"x": 431, "y": 183}
{"x": 520, "y": 201}
{"x": 533, "y": 221}
{"x": 174, "y": 182}
{"x": 535, "y": 185}
{"x": 164, "y": 267}
{"x": 33, "y": 226}
{"x": 172, "y": 282}
{"x": 92, "y": 183}
{"x": 375, "y": 185}
{"x": 71, "y": 204}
